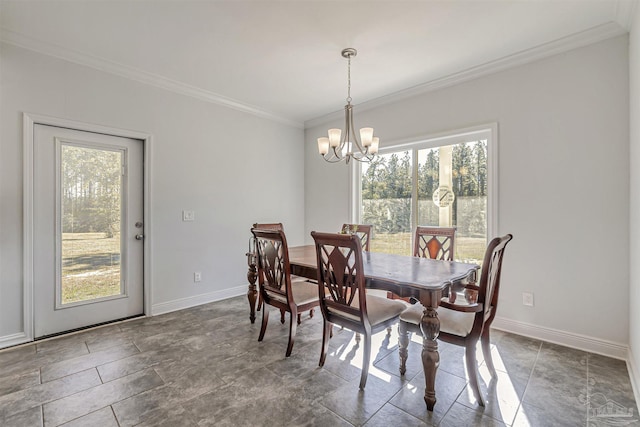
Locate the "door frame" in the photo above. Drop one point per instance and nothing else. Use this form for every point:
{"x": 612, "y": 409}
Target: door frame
{"x": 29, "y": 122}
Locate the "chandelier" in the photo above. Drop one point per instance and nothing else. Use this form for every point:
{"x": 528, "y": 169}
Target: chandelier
{"x": 346, "y": 146}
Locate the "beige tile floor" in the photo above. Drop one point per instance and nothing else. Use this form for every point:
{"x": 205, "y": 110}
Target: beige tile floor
{"x": 204, "y": 366}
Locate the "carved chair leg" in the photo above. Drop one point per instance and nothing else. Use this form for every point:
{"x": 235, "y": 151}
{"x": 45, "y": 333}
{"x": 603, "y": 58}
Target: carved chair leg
{"x": 327, "y": 333}
{"x": 282, "y": 316}
{"x": 252, "y": 293}
{"x": 259, "y": 302}
{"x": 403, "y": 345}
{"x": 265, "y": 319}
{"x": 366, "y": 360}
{"x": 485, "y": 339}
{"x": 299, "y": 318}
{"x": 311, "y": 313}
{"x": 357, "y": 338}
{"x": 472, "y": 371}
{"x": 292, "y": 331}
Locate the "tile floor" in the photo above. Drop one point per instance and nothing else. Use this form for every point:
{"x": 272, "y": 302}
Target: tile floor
{"x": 204, "y": 366}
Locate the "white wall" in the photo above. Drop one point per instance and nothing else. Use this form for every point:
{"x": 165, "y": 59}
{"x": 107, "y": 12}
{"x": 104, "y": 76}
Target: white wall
{"x": 634, "y": 199}
{"x": 206, "y": 158}
{"x": 563, "y": 182}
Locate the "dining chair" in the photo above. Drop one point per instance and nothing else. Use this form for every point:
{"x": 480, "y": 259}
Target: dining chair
{"x": 341, "y": 291}
{"x": 280, "y": 227}
{"x": 269, "y": 226}
{"x": 361, "y": 230}
{"x": 276, "y": 287}
{"x": 465, "y": 322}
{"x": 434, "y": 242}
{"x": 364, "y": 232}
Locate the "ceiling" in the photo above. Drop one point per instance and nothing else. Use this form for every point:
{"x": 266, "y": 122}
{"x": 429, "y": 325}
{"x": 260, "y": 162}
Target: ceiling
{"x": 281, "y": 59}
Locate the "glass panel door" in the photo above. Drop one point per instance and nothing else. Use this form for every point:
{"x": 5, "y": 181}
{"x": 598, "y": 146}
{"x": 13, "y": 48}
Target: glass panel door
{"x": 88, "y": 235}
{"x": 91, "y": 206}
{"x": 452, "y": 192}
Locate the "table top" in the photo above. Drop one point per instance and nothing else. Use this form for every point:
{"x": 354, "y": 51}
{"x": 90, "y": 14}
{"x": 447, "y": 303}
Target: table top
{"x": 392, "y": 272}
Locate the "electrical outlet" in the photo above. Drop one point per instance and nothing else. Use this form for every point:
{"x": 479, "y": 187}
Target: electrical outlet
{"x": 188, "y": 216}
{"x": 527, "y": 299}
{"x": 197, "y": 277}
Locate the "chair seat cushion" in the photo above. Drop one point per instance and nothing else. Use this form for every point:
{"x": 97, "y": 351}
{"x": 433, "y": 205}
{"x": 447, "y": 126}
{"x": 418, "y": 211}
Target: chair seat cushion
{"x": 303, "y": 292}
{"x": 451, "y": 321}
{"x": 379, "y": 309}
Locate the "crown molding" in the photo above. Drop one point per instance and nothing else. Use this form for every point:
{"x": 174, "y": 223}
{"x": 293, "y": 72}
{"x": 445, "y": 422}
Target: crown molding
{"x": 624, "y": 13}
{"x": 101, "y": 64}
{"x": 574, "y": 41}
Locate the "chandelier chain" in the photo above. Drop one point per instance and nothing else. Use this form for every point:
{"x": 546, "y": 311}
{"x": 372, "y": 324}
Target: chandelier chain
{"x": 349, "y": 80}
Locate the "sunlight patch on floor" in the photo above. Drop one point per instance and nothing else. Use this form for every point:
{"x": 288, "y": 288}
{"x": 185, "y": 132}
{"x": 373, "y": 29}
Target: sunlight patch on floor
{"x": 352, "y": 351}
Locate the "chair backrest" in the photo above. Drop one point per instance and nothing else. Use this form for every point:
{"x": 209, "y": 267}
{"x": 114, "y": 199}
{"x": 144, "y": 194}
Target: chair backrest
{"x": 360, "y": 230}
{"x": 434, "y": 242}
{"x": 274, "y": 271}
{"x": 269, "y": 226}
{"x": 490, "y": 278}
{"x": 341, "y": 279}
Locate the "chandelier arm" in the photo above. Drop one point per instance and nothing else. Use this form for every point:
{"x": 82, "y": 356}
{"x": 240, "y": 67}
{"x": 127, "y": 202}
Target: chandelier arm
{"x": 332, "y": 159}
{"x": 334, "y": 155}
{"x": 362, "y": 159}
{"x": 337, "y": 152}
{"x": 350, "y": 134}
{"x": 347, "y": 127}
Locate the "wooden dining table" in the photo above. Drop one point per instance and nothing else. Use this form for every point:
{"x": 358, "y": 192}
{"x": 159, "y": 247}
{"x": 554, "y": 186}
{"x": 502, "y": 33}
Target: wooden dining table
{"x": 406, "y": 276}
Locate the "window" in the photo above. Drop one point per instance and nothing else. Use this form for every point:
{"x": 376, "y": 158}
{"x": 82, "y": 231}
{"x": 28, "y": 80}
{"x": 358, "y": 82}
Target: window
{"x": 444, "y": 181}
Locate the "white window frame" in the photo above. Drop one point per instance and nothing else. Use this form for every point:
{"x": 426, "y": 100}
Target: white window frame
{"x": 473, "y": 133}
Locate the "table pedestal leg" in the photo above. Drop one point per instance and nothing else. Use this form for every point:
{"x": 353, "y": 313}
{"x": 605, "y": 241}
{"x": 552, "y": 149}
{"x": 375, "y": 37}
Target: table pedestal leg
{"x": 430, "y": 326}
{"x": 252, "y": 294}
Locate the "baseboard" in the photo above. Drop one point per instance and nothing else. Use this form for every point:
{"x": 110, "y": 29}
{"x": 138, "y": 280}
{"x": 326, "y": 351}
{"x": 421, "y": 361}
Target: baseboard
{"x": 580, "y": 342}
{"x": 156, "y": 309}
{"x": 633, "y": 375}
{"x": 13, "y": 339}
{"x": 182, "y": 303}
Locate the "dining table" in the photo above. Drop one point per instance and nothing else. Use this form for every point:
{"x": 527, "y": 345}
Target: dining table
{"x": 425, "y": 279}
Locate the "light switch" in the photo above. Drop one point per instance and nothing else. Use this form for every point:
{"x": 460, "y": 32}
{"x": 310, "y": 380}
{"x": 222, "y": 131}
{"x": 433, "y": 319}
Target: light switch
{"x": 188, "y": 215}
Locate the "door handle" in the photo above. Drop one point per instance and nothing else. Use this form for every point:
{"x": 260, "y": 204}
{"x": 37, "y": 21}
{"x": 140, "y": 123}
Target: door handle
{"x": 139, "y": 236}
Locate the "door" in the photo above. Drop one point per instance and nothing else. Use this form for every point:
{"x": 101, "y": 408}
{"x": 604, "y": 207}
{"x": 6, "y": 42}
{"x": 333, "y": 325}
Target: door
{"x": 88, "y": 231}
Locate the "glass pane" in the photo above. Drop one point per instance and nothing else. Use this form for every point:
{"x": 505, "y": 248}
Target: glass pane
{"x": 386, "y": 202}
{"x": 466, "y": 167}
{"x": 91, "y": 209}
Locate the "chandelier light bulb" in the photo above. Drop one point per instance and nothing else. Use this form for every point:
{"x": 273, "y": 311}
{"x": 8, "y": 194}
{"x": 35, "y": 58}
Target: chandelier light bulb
{"x": 366, "y": 136}
{"x": 374, "y": 145}
{"x": 323, "y": 145}
{"x": 334, "y": 137}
